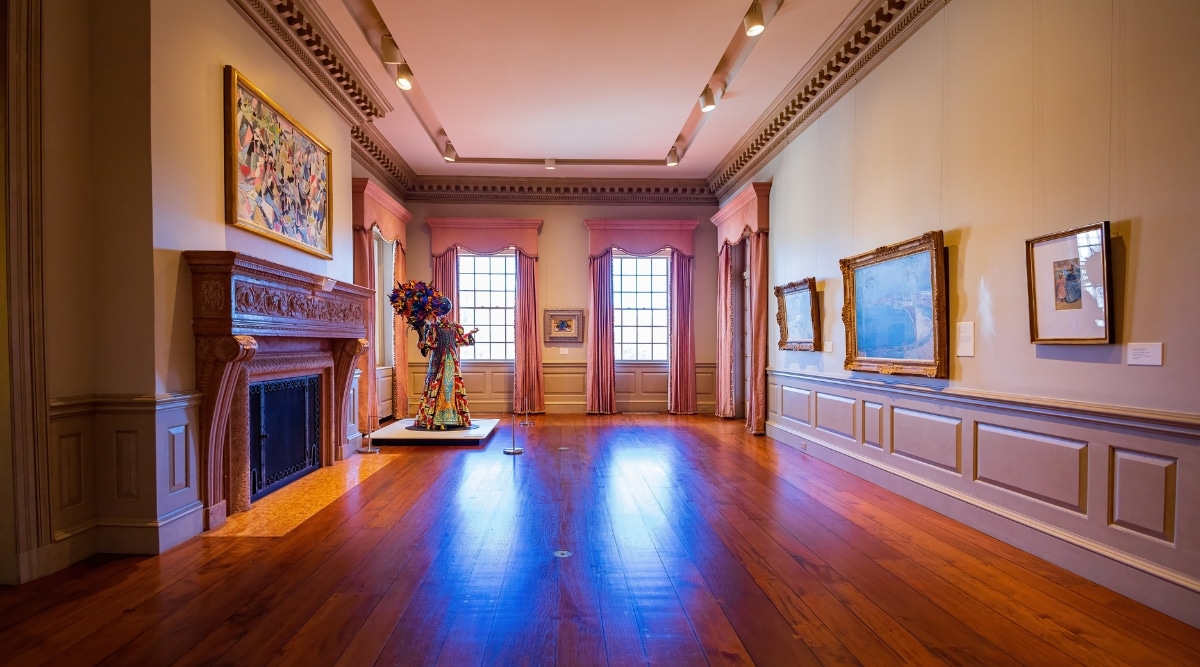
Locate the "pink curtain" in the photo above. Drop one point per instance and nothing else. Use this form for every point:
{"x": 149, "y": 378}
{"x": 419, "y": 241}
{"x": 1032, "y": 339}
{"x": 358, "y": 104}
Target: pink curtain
{"x": 399, "y": 340}
{"x": 601, "y": 366}
{"x": 681, "y": 378}
{"x": 529, "y": 394}
{"x": 756, "y": 262}
{"x": 725, "y": 320}
{"x": 445, "y": 276}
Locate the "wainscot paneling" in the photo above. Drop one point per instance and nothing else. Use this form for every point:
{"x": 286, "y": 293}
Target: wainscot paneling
{"x": 928, "y": 438}
{"x": 1039, "y": 466}
{"x": 641, "y": 386}
{"x": 126, "y": 479}
{"x": 1143, "y": 493}
{"x": 384, "y": 382}
{"x": 835, "y": 415}
{"x": 1111, "y": 493}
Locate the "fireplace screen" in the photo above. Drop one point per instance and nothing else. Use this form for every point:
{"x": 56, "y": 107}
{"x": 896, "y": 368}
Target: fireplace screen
{"x": 285, "y": 432}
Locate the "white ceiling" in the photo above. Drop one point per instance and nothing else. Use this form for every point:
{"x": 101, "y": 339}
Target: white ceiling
{"x": 585, "y": 79}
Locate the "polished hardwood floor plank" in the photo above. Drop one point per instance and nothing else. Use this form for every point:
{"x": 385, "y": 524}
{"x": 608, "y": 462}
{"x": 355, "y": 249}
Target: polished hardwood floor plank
{"x": 692, "y": 543}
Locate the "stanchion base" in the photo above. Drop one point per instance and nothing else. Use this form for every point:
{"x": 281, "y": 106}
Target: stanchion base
{"x": 367, "y": 450}
{"x": 514, "y": 450}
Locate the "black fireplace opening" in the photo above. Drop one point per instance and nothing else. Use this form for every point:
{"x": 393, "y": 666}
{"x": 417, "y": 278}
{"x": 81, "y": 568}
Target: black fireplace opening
{"x": 285, "y": 432}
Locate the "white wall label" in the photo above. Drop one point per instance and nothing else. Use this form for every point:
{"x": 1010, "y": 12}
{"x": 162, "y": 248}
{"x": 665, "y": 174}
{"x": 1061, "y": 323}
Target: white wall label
{"x": 1144, "y": 354}
{"x": 966, "y": 339}
{"x": 562, "y": 350}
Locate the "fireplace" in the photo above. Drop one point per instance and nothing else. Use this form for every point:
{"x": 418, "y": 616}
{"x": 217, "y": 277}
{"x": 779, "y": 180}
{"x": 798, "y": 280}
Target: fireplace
{"x": 285, "y": 432}
{"x": 257, "y": 321}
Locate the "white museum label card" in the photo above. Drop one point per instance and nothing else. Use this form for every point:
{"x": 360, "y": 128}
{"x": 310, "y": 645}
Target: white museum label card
{"x": 966, "y": 339}
{"x": 1144, "y": 354}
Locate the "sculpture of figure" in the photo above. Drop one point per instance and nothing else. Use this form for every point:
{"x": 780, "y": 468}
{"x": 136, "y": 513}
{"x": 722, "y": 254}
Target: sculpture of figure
{"x": 444, "y": 400}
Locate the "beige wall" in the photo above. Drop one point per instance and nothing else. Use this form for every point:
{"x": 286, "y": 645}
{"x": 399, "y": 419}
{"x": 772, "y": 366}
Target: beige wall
{"x": 191, "y": 43}
{"x": 998, "y": 122}
{"x": 563, "y": 259}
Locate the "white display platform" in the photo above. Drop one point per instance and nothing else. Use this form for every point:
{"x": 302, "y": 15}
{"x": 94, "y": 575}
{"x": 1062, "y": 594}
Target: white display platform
{"x": 401, "y": 433}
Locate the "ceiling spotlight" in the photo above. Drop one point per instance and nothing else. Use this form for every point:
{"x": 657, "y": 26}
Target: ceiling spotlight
{"x": 448, "y": 153}
{"x": 550, "y": 163}
{"x": 404, "y": 76}
{"x": 708, "y": 100}
{"x": 754, "y": 20}
{"x": 389, "y": 51}
{"x": 672, "y": 157}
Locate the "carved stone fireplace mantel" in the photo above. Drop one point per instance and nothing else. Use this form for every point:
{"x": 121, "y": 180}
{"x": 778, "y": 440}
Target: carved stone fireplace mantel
{"x": 244, "y": 309}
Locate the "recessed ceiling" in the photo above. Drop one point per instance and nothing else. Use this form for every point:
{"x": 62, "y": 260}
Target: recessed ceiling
{"x": 581, "y": 79}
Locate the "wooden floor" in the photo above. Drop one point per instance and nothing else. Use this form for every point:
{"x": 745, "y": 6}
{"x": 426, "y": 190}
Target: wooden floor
{"x": 692, "y": 543}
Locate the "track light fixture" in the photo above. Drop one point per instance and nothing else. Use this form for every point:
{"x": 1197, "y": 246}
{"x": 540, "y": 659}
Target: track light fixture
{"x": 754, "y": 20}
{"x": 708, "y": 100}
{"x": 550, "y": 163}
{"x": 672, "y": 157}
{"x": 404, "y": 76}
{"x": 448, "y": 153}
{"x": 389, "y": 51}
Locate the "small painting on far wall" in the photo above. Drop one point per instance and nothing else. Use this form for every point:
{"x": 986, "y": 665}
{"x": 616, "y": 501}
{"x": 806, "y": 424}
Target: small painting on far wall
{"x": 1069, "y": 276}
{"x": 563, "y": 326}
{"x": 799, "y": 316}
{"x": 277, "y": 174}
{"x": 896, "y": 310}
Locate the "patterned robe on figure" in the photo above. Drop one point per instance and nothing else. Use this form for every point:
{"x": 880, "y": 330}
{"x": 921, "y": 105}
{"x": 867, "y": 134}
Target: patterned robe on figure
{"x": 444, "y": 402}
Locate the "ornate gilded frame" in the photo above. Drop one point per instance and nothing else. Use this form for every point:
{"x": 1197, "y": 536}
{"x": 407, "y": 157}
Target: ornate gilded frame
{"x": 939, "y": 365}
{"x": 576, "y": 333}
{"x": 233, "y": 81}
{"x": 1038, "y": 292}
{"x": 781, "y": 316}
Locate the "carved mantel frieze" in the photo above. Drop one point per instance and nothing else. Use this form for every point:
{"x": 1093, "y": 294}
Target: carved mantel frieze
{"x": 240, "y": 303}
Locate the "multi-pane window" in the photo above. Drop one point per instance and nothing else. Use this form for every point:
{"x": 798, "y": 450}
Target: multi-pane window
{"x": 487, "y": 298}
{"x": 640, "y": 308}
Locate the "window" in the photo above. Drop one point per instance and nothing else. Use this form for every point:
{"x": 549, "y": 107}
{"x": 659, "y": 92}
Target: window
{"x": 487, "y": 297}
{"x": 640, "y": 308}
{"x": 385, "y": 281}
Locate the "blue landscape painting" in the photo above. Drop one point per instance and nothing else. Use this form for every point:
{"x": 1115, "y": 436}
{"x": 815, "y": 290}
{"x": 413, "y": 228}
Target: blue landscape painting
{"x": 893, "y": 309}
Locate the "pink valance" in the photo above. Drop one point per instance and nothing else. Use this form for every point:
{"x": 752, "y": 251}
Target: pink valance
{"x": 483, "y": 235}
{"x": 749, "y": 212}
{"x": 375, "y": 208}
{"x": 641, "y": 237}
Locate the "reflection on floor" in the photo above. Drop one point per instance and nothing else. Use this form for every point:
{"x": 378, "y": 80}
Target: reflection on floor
{"x": 278, "y": 513}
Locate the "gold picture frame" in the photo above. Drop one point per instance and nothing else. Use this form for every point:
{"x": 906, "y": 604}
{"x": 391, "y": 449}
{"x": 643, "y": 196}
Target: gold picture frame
{"x": 1069, "y": 274}
{"x": 799, "y": 324}
{"x": 278, "y": 176}
{"x": 895, "y": 309}
{"x": 563, "y": 326}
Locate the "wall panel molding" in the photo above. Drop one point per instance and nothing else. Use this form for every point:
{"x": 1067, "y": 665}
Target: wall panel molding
{"x": 1113, "y": 482}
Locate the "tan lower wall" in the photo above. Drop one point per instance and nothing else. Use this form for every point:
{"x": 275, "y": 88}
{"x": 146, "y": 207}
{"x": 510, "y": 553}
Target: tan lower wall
{"x": 124, "y": 474}
{"x": 1109, "y": 493}
{"x": 641, "y": 386}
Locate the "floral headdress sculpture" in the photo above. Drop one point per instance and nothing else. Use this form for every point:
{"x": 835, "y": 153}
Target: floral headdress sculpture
{"x": 416, "y": 301}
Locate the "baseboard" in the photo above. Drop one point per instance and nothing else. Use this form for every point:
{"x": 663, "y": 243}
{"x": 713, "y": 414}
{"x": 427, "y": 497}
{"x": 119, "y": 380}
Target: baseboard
{"x": 1173, "y": 593}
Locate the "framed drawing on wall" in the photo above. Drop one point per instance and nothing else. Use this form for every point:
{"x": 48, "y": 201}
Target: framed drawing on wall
{"x": 1069, "y": 276}
{"x": 896, "y": 309}
{"x": 277, "y": 174}
{"x": 799, "y": 315}
{"x": 563, "y": 326}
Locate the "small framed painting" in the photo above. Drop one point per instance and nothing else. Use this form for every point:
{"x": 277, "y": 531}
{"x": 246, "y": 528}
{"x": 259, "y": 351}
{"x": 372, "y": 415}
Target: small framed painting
{"x": 896, "y": 309}
{"x": 799, "y": 315}
{"x": 278, "y": 176}
{"x": 1070, "y": 298}
{"x": 563, "y": 326}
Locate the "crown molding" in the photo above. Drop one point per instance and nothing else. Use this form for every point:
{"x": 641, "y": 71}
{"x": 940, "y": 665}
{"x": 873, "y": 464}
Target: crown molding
{"x": 376, "y": 153}
{"x": 628, "y": 191}
{"x": 864, "y": 41}
{"x": 305, "y": 36}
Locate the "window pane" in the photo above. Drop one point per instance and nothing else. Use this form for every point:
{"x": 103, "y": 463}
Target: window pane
{"x": 660, "y": 353}
{"x": 658, "y": 284}
{"x": 643, "y": 300}
{"x": 498, "y": 350}
{"x": 510, "y": 351}
{"x": 643, "y": 335}
{"x": 510, "y": 300}
{"x": 466, "y": 299}
{"x": 659, "y": 302}
{"x": 660, "y": 318}
{"x": 510, "y": 317}
{"x": 483, "y": 299}
{"x": 466, "y": 353}
{"x": 510, "y": 264}
{"x": 660, "y": 335}
{"x": 617, "y": 335}
{"x": 466, "y": 264}
{"x": 628, "y": 352}
{"x": 466, "y": 281}
{"x": 644, "y": 318}
{"x": 643, "y": 352}
{"x": 466, "y": 317}
{"x": 660, "y": 266}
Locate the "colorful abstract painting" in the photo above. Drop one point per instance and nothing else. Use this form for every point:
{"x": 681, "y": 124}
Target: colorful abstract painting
{"x": 280, "y": 185}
